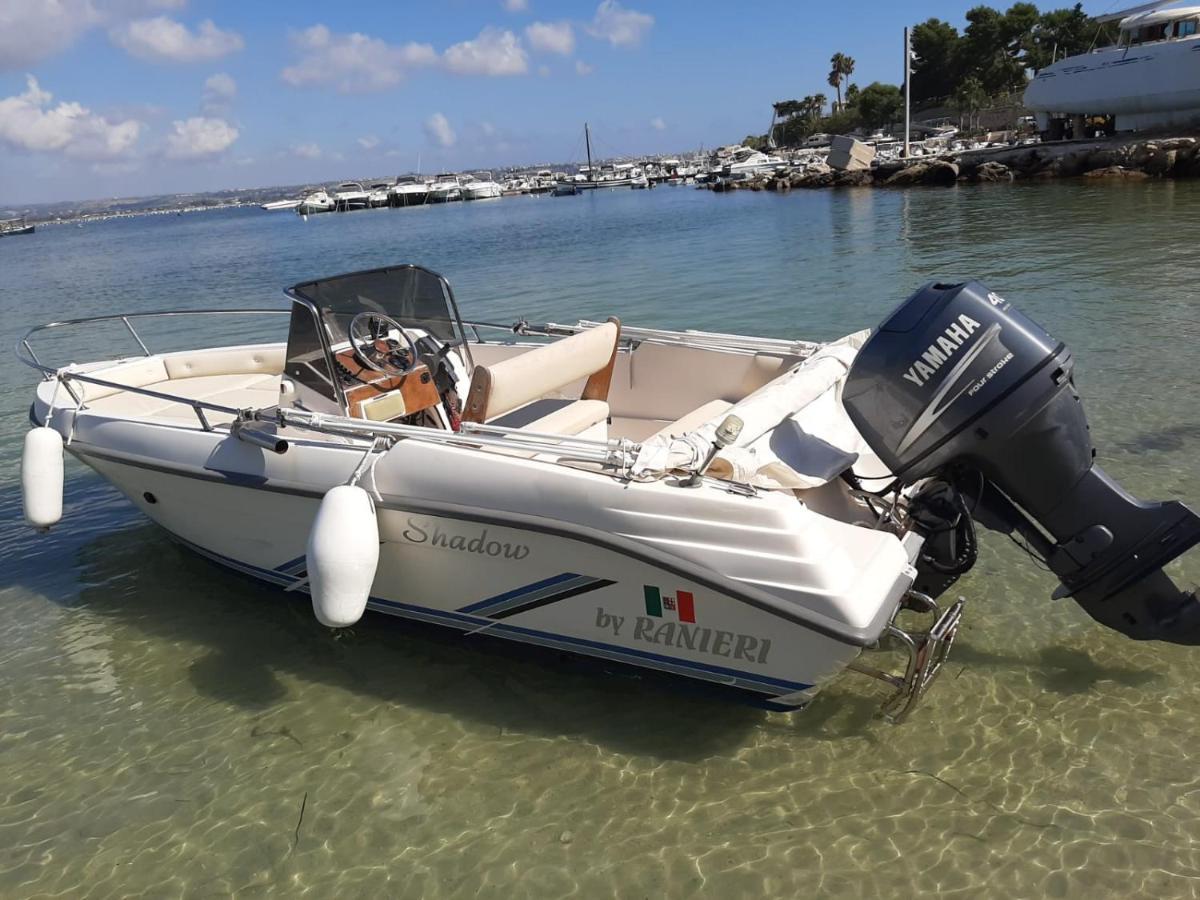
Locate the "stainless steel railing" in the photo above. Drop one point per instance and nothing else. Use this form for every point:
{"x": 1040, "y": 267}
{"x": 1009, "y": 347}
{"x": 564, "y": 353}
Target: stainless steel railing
{"x": 25, "y": 353}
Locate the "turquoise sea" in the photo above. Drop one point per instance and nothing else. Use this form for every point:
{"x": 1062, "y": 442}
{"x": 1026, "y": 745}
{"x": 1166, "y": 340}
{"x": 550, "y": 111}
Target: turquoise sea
{"x": 170, "y": 729}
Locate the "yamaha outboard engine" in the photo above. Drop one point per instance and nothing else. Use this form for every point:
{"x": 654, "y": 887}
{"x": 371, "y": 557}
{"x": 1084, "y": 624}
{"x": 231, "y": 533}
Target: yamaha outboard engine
{"x": 959, "y": 391}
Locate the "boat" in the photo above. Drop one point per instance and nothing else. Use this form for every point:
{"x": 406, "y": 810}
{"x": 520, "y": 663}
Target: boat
{"x": 378, "y": 194}
{"x": 481, "y": 187}
{"x": 750, "y": 514}
{"x": 409, "y": 190}
{"x": 542, "y": 182}
{"x": 350, "y": 195}
{"x": 744, "y": 162}
{"x": 566, "y": 188}
{"x": 607, "y": 175}
{"x": 318, "y": 201}
{"x": 277, "y": 205}
{"x": 11, "y": 227}
{"x": 445, "y": 188}
{"x": 1148, "y": 79}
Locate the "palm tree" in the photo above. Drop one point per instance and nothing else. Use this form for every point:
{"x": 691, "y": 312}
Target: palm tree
{"x": 835, "y": 81}
{"x": 818, "y": 106}
{"x": 842, "y": 67}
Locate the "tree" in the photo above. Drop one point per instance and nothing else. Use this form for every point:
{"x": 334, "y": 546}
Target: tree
{"x": 969, "y": 99}
{"x": 818, "y": 107}
{"x": 878, "y": 104}
{"x": 842, "y": 67}
{"x": 1061, "y": 33}
{"x": 993, "y": 42}
{"x": 937, "y": 59}
{"x": 785, "y": 109}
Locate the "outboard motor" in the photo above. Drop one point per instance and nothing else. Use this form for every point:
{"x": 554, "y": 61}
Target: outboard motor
{"x": 959, "y": 390}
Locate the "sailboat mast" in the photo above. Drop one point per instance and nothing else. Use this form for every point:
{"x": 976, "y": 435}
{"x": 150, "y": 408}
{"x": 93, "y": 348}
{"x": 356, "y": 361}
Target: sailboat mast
{"x": 587, "y": 139}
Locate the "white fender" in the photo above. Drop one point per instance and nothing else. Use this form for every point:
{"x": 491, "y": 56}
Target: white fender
{"x": 342, "y": 555}
{"x": 42, "y": 477}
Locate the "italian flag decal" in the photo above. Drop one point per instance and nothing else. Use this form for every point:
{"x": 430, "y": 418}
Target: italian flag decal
{"x": 682, "y": 604}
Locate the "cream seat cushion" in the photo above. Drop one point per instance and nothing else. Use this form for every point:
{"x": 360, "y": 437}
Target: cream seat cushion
{"x": 522, "y": 383}
{"x": 234, "y": 361}
{"x": 543, "y": 370}
{"x": 234, "y": 391}
{"x": 142, "y": 372}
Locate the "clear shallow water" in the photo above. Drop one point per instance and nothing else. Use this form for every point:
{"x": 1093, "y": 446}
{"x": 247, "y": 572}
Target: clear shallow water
{"x": 163, "y": 723}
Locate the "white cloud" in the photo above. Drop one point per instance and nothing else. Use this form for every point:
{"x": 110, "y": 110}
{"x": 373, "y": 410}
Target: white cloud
{"x": 219, "y": 91}
{"x": 493, "y": 52}
{"x": 28, "y": 122}
{"x": 487, "y": 128}
{"x": 200, "y": 137}
{"x": 369, "y": 142}
{"x": 582, "y": 68}
{"x": 552, "y": 37}
{"x": 352, "y": 63}
{"x": 619, "y": 26}
{"x": 307, "y": 151}
{"x": 658, "y": 124}
{"x": 516, "y": 5}
{"x": 437, "y": 128}
{"x": 31, "y": 30}
{"x": 162, "y": 39}
{"x": 544, "y": 71}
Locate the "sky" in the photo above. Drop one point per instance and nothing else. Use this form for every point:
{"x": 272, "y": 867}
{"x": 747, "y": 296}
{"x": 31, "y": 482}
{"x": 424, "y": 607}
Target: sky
{"x": 105, "y": 98}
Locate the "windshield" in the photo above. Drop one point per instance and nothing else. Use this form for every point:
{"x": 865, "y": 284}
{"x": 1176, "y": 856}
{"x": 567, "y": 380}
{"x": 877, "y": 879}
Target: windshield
{"x": 416, "y": 298}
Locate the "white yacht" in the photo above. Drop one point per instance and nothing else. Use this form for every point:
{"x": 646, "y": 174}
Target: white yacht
{"x": 378, "y": 194}
{"x": 1149, "y": 79}
{"x": 316, "y": 202}
{"x": 409, "y": 190}
{"x": 746, "y": 161}
{"x": 445, "y": 188}
{"x": 482, "y": 187}
{"x": 351, "y": 195}
{"x": 755, "y": 514}
{"x": 277, "y": 205}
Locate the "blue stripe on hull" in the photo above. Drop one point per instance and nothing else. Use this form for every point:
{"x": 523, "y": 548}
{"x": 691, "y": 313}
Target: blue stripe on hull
{"x": 521, "y": 592}
{"x": 763, "y": 684}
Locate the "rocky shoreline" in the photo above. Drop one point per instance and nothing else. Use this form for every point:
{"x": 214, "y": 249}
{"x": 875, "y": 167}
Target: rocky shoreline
{"x": 1168, "y": 157}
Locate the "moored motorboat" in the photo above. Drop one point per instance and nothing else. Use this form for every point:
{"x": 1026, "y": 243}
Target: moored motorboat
{"x": 10, "y": 227}
{"x": 379, "y": 193}
{"x": 351, "y": 195}
{"x": 756, "y": 514}
{"x": 481, "y": 187}
{"x": 409, "y": 190}
{"x": 446, "y": 188}
{"x": 316, "y": 202}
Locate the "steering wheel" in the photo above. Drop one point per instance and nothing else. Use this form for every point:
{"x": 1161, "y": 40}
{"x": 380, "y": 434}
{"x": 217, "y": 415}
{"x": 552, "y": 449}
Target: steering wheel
{"x": 370, "y": 336}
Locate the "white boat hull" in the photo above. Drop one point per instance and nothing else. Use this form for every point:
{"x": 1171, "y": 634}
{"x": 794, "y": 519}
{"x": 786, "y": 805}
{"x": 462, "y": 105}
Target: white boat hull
{"x": 471, "y": 574}
{"x": 487, "y": 191}
{"x": 1146, "y": 85}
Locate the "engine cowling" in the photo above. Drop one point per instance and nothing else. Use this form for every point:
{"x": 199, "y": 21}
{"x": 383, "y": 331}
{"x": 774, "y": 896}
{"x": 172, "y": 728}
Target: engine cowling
{"x": 957, "y": 384}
